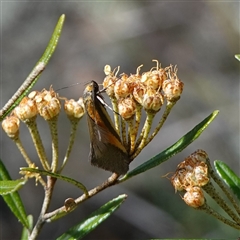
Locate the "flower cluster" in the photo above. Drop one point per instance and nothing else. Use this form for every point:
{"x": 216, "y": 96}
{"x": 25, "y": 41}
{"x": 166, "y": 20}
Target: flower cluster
{"x": 191, "y": 175}
{"x": 148, "y": 91}
{"x": 195, "y": 176}
{"x": 46, "y": 104}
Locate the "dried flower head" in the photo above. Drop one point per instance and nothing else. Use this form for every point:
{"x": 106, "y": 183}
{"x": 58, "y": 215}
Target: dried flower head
{"x": 177, "y": 180}
{"x": 199, "y": 156}
{"x": 191, "y": 172}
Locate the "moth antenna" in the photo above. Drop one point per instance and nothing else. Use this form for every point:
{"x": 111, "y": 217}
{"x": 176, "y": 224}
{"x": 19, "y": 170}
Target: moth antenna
{"x": 74, "y": 84}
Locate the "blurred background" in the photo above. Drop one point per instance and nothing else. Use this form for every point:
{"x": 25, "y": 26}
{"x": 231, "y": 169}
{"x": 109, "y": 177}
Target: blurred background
{"x": 200, "y": 37}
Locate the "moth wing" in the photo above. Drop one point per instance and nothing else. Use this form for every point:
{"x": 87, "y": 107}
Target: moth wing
{"x": 103, "y": 153}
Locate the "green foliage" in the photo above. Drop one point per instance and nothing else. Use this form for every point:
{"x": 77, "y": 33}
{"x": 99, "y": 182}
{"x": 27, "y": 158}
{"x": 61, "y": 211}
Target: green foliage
{"x": 25, "y": 230}
{"x": 58, "y": 176}
{"x": 13, "y": 200}
{"x": 10, "y": 186}
{"x": 228, "y": 176}
{"x": 82, "y": 229}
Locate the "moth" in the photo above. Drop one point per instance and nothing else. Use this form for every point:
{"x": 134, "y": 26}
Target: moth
{"x": 106, "y": 148}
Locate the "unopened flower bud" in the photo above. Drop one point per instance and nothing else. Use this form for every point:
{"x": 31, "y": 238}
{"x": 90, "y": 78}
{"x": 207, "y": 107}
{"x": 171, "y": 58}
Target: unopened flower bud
{"x": 11, "y": 126}
{"x": 26, "y": 110}
{"x": 127, "y": 107}
{"x": 194, "y": 197}
{"x": 201, "y": 175}
{"x": 33, "y": 94}
{"x": 152, "y": 100}
{"x": 152, "y": 79}
{"x": 110, "y": 80}
{"x": 121, "y": 89}
{"x": 172, "y": 88}
{"x": 107, "y": 70}
{"x": 138, "y": 93}
{"x": 48, "y": 104}
{"x": 74, "y": 109}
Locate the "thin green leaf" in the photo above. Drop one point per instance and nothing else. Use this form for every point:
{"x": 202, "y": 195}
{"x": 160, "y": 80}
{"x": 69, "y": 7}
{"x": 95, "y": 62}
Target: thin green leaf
{"x": 237, "y": 56}
{"x": 174, "y": 149}
{"x": 228, "y": 176}
{"x": 35, "y": 73}
{"x": 10, "y": 186}
{"x": 13, "y": 200}
{"x": 25, "y": 230}
{"x": 53, "y": 41}
{"x": 55, "y": 175}
{"x": 82, "y": 229}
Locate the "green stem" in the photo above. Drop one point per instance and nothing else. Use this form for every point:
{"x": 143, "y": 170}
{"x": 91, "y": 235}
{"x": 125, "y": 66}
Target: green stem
{"x": 210, "y": 189}
{"x": 54, "y": 133}
{"x": 147, "y": 128}
{"x": 210, "y": 211}
{"x": 74, "y": 124}
{"x": 37, "y": 141}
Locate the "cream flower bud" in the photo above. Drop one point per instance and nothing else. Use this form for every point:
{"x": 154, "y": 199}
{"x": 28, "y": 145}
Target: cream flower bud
{"x": 11, "y": 126}
{"x": 107, "y": 70}
{"x": 108, "y": 83}
{"x": 127, "y": 107}
{"x": 48, "y": 104}
{"x": 27, "y": 109}
{"x": 152, "y": 100}
{"x": 110, "y": 80}
{"x": 33, "y": 94}
{"x": 172, "y": 88}
{"x": 152, "y": 79}
{"x": 74, "y": 109}
{"x": 201, "y": 175}
{"x": 194, "y": 197}
{"x": 138, "y": 93}
{"x": 121, "y": 89}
